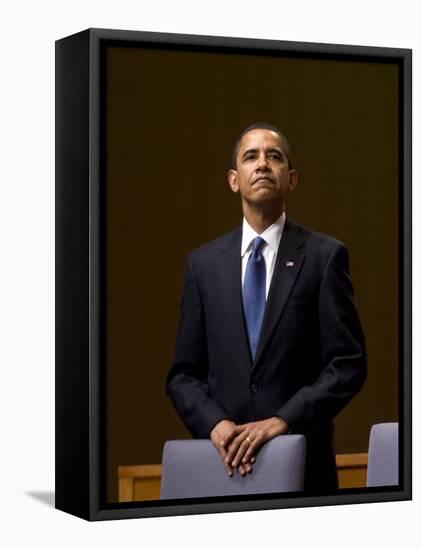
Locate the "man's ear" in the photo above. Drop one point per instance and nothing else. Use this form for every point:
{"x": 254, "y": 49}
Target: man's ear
{"x": 232, "y": 178}
{"x": 293, "y": 180}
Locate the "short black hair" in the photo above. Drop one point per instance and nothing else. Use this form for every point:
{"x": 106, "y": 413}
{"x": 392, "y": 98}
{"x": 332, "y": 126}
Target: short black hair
{"x": 262, "y": 126}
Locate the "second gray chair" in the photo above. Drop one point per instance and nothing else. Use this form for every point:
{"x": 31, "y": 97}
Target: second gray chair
{"x": 383, "y": 455}
{"x": 194, "y": 468}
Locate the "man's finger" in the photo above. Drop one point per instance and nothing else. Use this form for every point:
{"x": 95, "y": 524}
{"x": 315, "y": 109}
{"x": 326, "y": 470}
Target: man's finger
{"x": 251, "y": 451}
{"x": 234, "y": 447}
{"x": 242, "y": 470}
{"x": 243, "y": 447}
{"x": 223, "y": 454}
{"x": 229, "y": 471}
{"x": 227, "y": 439}
{"x": 227, "y": 466}
{"x": 238, "y": 448}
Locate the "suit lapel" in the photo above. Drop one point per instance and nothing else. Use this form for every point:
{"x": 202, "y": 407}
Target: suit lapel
{"x": 232, "y": 293}
{"x": 286, "y": 270}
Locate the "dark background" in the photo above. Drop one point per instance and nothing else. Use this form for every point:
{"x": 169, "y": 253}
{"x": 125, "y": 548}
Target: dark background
{"x": 171, "y": 120}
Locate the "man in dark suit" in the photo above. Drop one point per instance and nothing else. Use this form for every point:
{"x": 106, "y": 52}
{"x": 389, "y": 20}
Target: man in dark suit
{"x": 269, "y": 340}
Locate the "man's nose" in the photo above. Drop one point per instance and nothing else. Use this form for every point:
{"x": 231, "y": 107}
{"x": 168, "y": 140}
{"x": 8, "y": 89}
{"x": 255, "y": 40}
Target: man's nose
{"x": 262, "y": 162}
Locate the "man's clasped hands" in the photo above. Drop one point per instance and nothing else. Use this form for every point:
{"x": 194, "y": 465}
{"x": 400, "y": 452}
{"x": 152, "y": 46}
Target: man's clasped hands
{"x": 239, "y": 443}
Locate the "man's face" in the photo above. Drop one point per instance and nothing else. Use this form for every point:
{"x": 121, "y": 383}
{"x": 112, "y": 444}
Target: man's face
{"x": 262, "y": 175}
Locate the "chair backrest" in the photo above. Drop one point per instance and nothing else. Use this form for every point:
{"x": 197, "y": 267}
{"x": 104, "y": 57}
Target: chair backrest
{"x": 383, "y": 455}
{"x": 194, "y": 468}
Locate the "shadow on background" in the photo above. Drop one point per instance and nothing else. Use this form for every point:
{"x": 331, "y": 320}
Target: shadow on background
{"x": 46, "y": 497}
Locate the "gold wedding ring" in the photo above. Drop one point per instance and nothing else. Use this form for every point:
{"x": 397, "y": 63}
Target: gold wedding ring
{"x": 248, "y": 440}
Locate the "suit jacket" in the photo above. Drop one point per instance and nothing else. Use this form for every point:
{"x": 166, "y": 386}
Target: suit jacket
{"x": 310, "y": 359}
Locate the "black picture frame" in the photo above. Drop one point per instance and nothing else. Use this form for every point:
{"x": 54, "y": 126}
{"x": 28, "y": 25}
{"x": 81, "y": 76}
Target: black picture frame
{"x": 80, "y": 407}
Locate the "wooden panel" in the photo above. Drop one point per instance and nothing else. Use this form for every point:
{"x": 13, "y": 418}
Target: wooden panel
{"x": 146, "y": 489}
{"x": 139, "y": 482}
{"x": 126, "y": 489}
{"x": 143, "y": 482}
{"x": 351, "y": 470}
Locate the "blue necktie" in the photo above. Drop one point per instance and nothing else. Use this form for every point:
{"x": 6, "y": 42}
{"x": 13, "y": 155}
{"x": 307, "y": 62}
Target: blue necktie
{"x": 254, "y": 293}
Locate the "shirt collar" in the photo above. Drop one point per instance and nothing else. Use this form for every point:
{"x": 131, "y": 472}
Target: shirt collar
{"x": 271, "y": 235}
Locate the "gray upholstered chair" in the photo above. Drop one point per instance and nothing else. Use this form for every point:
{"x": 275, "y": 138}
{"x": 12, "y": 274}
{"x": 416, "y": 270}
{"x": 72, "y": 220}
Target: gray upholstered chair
{"x": 383, "y": 455}
{"x": 194, "y": 468}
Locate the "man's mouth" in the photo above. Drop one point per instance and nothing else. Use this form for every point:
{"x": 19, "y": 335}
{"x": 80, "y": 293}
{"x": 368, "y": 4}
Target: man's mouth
{"x": 263, "y": 179}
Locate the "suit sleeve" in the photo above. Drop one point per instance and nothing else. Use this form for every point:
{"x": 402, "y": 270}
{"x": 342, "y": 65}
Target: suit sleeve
{"x": 343, "y": 352}
{"x": 187, "y": 381}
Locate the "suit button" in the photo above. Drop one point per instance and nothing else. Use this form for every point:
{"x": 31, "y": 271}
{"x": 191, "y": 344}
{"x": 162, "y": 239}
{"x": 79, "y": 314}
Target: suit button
{"x": 254, "y": 388}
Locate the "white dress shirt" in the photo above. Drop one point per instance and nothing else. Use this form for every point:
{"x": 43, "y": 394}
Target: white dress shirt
{"x": 271, "y": 236}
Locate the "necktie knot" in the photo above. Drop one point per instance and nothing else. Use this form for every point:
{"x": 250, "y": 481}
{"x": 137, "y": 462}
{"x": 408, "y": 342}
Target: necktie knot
{"x": 258, "y": 243}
